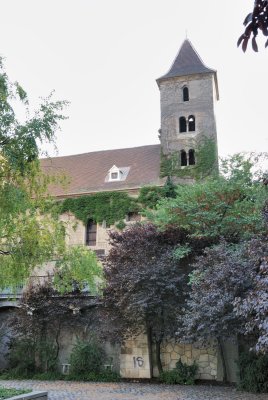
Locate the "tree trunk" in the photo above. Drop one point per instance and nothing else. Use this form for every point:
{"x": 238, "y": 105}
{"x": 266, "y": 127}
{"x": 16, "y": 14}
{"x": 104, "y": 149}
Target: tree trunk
{"x": 224, "y": 368}
{"x": 158, "y": 356}
{"x": 150, "y": 352}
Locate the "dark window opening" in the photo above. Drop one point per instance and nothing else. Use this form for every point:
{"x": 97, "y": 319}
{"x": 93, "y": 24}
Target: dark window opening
{"x": 191, "y": 123}
{"x": 185, "y": 91}
{"x": 91, "y": 233}
{"x": 183, "y": 158}
{"x": 182, "y": 124}
{"x": 114, "y": 175}
{"x": 191, "y": 157}
{"x": 133, "y": 216}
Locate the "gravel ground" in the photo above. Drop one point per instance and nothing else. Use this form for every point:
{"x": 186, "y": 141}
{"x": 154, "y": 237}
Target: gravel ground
{"x": 61, "y": 390}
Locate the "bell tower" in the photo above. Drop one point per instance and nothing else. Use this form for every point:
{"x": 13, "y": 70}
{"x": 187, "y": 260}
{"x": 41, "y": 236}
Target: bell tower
{"x": 188, "y": 92}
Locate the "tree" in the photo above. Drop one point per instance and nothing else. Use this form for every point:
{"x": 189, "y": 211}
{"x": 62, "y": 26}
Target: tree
{"x": 220, "y": 276}
{"x": 29, "y": 235}
{"x": 252, "y": 307}
{"x": 144, "y": 289}
{"x": 254, "y": 22}
{"x": 228, "y": 206}
{"x": 30, "y": 231}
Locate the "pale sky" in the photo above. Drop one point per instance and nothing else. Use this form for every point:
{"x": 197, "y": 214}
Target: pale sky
{"x": 104, "y": 56}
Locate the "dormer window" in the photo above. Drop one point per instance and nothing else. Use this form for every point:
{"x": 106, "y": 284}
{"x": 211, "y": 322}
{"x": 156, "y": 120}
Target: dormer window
{"x": 115, "y": 174}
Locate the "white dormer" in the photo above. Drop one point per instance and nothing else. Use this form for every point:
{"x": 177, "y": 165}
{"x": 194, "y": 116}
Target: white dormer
{"x": 115, "y": 174}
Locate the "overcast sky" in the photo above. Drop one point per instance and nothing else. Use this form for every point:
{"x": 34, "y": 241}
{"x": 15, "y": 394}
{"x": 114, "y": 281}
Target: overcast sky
{"x": 104, "y": 56}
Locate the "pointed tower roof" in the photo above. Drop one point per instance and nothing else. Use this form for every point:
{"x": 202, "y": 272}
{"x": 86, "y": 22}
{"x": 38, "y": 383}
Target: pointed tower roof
{"x": 187, "y": 62}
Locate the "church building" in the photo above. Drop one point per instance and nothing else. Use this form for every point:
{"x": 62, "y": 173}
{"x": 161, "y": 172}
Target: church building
{"x": 188, "y": 92}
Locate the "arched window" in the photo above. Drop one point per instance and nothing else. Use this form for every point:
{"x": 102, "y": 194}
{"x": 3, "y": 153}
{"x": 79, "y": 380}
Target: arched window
{"x": 182, "y": 124}
{"x": 185, "y": 93}
{"x": 91, "y": 233}
{"x": 191, "y": 157}
{"x": 183, "y": 158}
{"x": 191, "y": 123}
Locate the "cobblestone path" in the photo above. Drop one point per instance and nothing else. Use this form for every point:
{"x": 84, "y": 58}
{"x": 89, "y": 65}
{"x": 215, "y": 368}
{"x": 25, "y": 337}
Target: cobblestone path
{"x": 60, "y": 390}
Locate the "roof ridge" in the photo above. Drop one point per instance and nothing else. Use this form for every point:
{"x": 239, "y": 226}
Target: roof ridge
{"x": 100, "y": 151}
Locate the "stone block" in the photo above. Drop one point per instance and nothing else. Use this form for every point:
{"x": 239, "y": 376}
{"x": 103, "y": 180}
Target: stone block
{"x": 174, "y": 356}
{"x": 203, "y": 357}
{"x": 169, "y": 348}
{"x": 188, "y": 354}
{"x": 144, "y": 373}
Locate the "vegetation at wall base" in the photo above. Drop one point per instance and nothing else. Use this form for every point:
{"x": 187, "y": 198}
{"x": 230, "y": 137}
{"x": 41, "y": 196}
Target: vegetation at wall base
{"x": 253, "y": 372}
{"x": 101, "y": 376}
{"x": 86, "y": 357}
{"x": 183, "y": 374}
{"x": 7, "y": 393}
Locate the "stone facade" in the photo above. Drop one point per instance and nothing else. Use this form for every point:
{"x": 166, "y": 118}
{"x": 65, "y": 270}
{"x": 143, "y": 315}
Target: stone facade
{"x": 205, "y": 357}
{"x": 134, "y": 358}
{"x": 201, "y": 103}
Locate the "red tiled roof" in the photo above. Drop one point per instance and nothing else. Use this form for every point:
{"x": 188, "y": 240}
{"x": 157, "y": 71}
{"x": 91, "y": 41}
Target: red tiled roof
{"x": 87, "y": 172}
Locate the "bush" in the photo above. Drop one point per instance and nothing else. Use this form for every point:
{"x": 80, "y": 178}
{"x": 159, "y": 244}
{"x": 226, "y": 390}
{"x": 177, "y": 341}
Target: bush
{"x": 103, "y": 376}
{"x": 253, "y": 372}
{"x": 27, "y": 357}
{"x": 183, "y": 374}
{"x": 86, "y": 357}
{"x": 22, "y": 358}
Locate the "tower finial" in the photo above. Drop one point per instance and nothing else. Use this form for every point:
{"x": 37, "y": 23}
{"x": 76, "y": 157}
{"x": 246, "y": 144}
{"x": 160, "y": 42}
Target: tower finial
{"x": 186, "y": 34}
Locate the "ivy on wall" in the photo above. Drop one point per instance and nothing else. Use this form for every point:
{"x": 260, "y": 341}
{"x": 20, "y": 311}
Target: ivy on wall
{"x": 114, "y": 206}
{"x": 206, "y": 162}
{"x": 108, "y": 206}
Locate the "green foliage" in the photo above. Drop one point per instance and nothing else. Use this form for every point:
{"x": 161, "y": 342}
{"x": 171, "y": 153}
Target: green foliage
{"x": 181, "y": 251}
{"x": 101, "y": 376}
{"x": 183, "y": 374}
{"x": 108, "y": 206}
{"x": 86, "y": 357}
{"x": 113, "y": 207}
{"x": 22, "y": 357}
{"x": 80, "y": 265}
{"x": 7, "y": 393}
{"x": 206, "y": 162}
{"x": 253, "y": 372}
{"x": 150, "y": 195}
{"x": 227, "y": 206}
{"x": 29, "y": 235}
{"x": 120, "y": 225}
{"x": 28, "y": 357}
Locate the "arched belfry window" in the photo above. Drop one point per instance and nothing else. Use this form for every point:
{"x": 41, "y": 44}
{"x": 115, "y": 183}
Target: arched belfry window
{"x": 191, "y": 157}
{"x": 185, "y": 93}
{"x": 183, "y": 125}
{"x": 191, "y": 123}
{"x": 183, "y": 158}
{"x": 91, "y": 233}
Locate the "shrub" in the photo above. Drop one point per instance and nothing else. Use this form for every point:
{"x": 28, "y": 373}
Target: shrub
{"x": 22, "y": 357}
{"x": 27, "y": 357}
{"x": 103, "y": 376}
{"x": 86, "y": 357}
{"x": 183, "y": 374}
{"x": 253, "y": 372}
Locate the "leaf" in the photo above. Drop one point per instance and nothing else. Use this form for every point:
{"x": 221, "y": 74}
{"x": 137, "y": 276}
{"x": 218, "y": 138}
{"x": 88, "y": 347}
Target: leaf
{"x": 245, "y": 44}
{"x": 248, "y": 19}
{"x": 254, "y": 44}
{"x": 240, "y": 40}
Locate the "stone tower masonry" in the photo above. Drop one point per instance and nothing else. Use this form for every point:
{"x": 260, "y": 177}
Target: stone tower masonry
{"x": 188, "y": 92}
